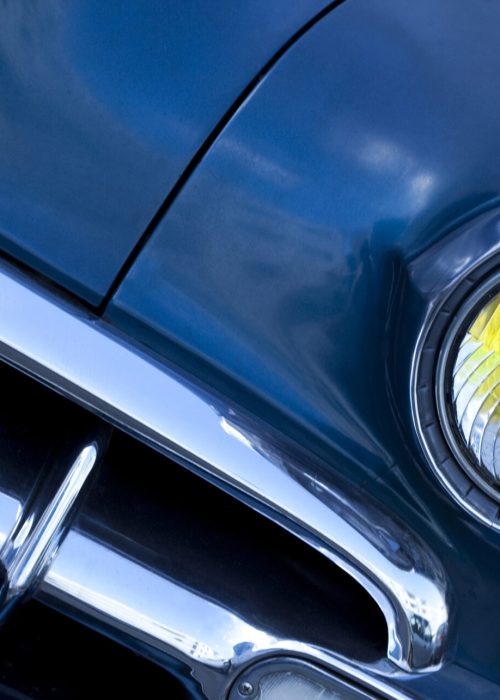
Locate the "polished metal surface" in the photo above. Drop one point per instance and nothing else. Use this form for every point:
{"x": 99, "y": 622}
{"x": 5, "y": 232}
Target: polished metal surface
{"x": 103, "y": 584}
{"x": 37, "y": 531}
{"x": 104, "y": 579}
{"x": 82, "y": 358}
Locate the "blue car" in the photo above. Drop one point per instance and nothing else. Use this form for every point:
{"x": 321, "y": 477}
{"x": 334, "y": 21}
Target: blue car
{"x": 250, "y": 349}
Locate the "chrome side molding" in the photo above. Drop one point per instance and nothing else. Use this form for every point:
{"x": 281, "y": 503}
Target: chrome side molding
{"x": 85, "y": 359}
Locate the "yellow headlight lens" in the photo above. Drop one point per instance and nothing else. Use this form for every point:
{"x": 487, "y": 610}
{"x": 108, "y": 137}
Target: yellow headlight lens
{"x": 486, "y": 327}
{"x": 476, "y": 389}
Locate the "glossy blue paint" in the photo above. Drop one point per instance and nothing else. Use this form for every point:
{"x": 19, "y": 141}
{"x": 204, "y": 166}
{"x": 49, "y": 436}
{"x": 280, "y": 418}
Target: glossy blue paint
{"x": 280, "y": 268}
{"x": 103, "y": 106}
{"x": 377, "y": 132}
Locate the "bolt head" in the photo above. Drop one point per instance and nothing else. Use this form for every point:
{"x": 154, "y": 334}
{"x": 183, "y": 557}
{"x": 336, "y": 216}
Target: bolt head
{"x": 246, "y": 689}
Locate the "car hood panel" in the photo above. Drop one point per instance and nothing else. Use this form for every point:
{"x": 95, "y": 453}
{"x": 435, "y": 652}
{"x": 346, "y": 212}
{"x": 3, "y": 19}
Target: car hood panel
{"x": 103, "y": 106}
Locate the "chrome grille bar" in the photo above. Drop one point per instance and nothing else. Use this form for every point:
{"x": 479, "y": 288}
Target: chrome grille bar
{"x": 35, "y": 537}
{"x": 102, "y": 583}
{"x": 86, "y": 360}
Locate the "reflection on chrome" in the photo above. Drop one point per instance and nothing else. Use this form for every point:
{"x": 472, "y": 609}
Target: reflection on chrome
{"x": 174, "y": 416}
{"x": 36, "y": 533}
{"x": 104, "y": 585}
{"x": 397, "y": 570}
{"x": 10, "y": 513}
{"x": 148, "y": 604}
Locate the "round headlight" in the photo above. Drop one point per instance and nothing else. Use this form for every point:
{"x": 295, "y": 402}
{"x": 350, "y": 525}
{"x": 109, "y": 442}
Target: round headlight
{"x": 456, "y": 394}
{"x": 468, "y": 392}
{"x": 475, "y": 393}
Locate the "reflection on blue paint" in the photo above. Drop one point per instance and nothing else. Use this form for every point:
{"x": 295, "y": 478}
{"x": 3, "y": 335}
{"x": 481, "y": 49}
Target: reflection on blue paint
{"x": 279, "y": 269}
{"x": 103, "y": 106}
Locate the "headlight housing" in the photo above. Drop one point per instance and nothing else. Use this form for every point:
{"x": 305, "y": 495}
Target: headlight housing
{"x": 468, "y": 387}
{"x": 475, "y": 395}
{"x": 456, "y": 394}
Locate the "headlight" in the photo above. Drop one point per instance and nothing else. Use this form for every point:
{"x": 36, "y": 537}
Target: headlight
{"x": 456, "y": 393}
{"x": 475, "y": 390}
{"x": 467, "y": 386}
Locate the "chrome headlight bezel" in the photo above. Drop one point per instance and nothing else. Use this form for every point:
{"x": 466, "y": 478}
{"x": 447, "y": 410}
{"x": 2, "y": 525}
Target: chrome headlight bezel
{"x": 433, "y": 421}
{"x": 457, "y": 330}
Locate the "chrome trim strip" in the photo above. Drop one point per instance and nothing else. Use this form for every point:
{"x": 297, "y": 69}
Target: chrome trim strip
{"x": 103, "y": 585}
{"x": 38, "y": 531}
{"x": 84, "y": 359}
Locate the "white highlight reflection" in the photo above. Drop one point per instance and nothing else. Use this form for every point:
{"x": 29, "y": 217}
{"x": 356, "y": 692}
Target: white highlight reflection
{"x": 108, "y": 585}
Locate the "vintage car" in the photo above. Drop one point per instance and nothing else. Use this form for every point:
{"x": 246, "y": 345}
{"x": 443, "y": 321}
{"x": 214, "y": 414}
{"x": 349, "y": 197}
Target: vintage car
{"x": 250, "y": 349}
